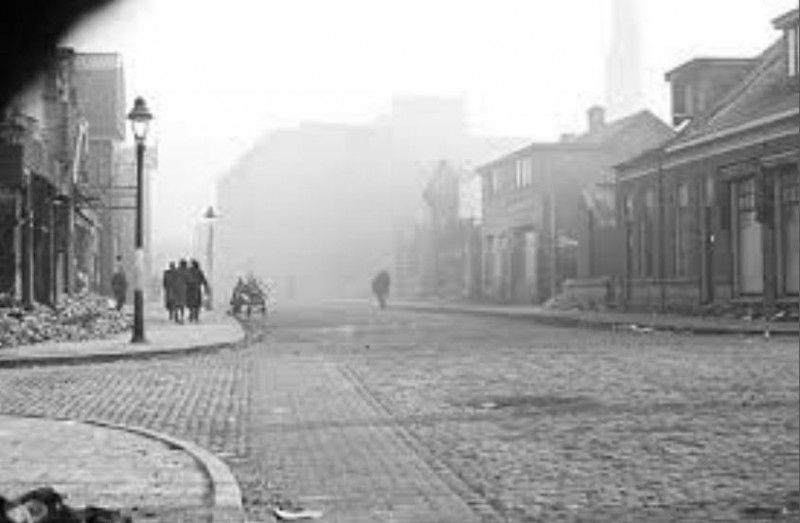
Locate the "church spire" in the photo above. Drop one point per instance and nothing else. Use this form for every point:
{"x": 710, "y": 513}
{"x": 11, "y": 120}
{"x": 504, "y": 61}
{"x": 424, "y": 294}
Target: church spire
{"x": 623, "y": 83}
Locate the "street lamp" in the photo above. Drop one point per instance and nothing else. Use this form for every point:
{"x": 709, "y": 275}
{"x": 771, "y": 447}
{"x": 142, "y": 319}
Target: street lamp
{"x": 210, "y": 215}
{"x": 140, "y": 117}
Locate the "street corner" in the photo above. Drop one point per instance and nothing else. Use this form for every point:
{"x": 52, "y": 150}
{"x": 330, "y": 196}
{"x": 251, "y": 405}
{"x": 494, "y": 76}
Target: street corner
{"x": 225, "y": 493}
{"x": 154, "y": 477}
{"x": 162, "y": 338}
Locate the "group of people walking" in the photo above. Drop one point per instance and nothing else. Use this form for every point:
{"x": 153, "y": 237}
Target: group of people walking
{"x": 184, "y": 283}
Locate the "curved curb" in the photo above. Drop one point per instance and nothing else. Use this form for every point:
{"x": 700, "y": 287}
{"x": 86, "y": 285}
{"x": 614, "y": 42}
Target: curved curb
{"x": 226, "y": 495}
{"x": 103, "y": 357}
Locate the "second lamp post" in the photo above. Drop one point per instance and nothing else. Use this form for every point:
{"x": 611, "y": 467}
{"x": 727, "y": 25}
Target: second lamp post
{"x": 140, "y": 117}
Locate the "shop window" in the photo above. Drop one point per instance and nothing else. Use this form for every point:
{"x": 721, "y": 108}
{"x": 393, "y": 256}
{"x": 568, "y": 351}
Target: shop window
{"x": 523, "y": 172}
{"x": 648, "y": 236}
{"x": 746, "y": 197}
{"x": 685, "y": 230}
{"x": 749, "y": 254}
{"x": 527, "y": 172}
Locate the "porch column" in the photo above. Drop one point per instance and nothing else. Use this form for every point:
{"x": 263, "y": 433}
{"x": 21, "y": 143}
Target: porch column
{"x": 769, "y": 243}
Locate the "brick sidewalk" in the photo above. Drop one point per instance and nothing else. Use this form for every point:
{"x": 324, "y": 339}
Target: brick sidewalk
{"x": 609, "y": 319}
{"x": 215, "y": 330}
{"x": 102, "y": 466}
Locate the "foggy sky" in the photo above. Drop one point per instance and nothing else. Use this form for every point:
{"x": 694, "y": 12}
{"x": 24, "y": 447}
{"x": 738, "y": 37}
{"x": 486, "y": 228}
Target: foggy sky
{"x": 218, "y": 80}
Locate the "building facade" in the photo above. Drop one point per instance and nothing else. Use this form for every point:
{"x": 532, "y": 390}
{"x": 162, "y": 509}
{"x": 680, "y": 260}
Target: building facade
{"x": 531, "y": 201}
{"x": 46, "y": 236}
{"x": 711, "y": 218}
{"x": 59, "y": 143}
{"x": 320, "y": 205}
{"x": 438, "y": 257}
{"x": 101, "y": 94}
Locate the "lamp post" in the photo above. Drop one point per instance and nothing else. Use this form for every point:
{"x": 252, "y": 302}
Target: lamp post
{"x": 210, "y": 215}
{"x": 140, "y": 118}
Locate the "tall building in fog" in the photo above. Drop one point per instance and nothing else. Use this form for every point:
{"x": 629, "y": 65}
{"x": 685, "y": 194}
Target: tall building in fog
{"x": 317, "y": 205}
{"x": 624, "y": 90}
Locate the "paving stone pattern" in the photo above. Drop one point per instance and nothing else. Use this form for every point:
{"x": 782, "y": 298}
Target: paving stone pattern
{"x": 569, "y": 425}
{"x": 400, "y": 416}
{"x": 566, "y": 425}
{"x": 200, "y": 398}
{"x": 203, "y": 399}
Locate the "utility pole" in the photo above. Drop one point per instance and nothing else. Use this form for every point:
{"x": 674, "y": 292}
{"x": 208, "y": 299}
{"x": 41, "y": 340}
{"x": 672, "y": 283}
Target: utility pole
{"x": 553, "y": 244}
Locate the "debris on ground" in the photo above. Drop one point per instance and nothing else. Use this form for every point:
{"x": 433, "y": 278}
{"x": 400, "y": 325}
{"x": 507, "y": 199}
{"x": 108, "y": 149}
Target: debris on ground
{"x": 634, "y": 328}
{"x": 45, "y": 505}
{"x": 74, "y": 318}
{"x": 295, "y": 513}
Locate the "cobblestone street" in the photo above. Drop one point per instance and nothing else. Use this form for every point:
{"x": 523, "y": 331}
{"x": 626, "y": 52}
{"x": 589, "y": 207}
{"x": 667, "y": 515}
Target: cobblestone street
{"x": 401, "y": 416}
{"x": 573, "y": 425}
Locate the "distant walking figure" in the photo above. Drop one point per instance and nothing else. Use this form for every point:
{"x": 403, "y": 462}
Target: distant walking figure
{"x": 380, "y": 287}
{"x": 119, "y": 284}
{"x": 180, "y": 282}
{"x": 195, "y": 283}
{"x": 168, "y": 282}
{"x": 238, "y": 296}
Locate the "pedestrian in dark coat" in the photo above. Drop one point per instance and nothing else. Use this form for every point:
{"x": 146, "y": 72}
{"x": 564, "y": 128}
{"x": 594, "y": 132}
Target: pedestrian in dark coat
{"x": 380, "y": 287}
{"x": 180, "y": 287}
{"x": 119, "y": 284}
{"x": 169, "y": 289}
{"x": 195, "y": 284}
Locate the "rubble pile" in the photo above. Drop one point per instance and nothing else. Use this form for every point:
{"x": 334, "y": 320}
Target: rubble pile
{"x": 75, "y": 318}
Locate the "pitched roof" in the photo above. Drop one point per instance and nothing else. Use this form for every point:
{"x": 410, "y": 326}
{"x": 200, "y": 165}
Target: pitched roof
{"x": 588, "y": 141}
{"x": 611, "y": 130}
{"x": 787, "y": 19}
{"x": 766, "y": 91}
{"x": 698, "y": 64}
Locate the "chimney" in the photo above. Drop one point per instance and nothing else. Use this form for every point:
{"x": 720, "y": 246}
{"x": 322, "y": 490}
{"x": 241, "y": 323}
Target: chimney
{"x": 789, "y": 23}
{"x": 597, "y": 118}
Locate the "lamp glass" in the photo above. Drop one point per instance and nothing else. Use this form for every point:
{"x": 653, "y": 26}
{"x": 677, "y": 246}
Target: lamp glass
{"x": 140, "y": 117}
{"x": 140, "y": 128}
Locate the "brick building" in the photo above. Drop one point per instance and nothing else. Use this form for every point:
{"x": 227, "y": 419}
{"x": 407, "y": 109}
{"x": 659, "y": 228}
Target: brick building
{"x": 531, "y": 204}
{"x": 57, "y": 158}
{"x": 45, "y": 232}
{"x": 711, "y": 218}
